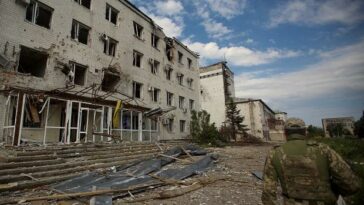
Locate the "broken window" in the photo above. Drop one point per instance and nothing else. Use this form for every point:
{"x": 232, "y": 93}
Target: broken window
{"x": 181, "y": 102}
{"x": 189, "y": 63}
{"x": 111, "y": 14}
{"x": 180, "y": 78}
{"x": 192, "y": 104}
{"x": 138, "y": 30}
{"x": 109, "y": 81}
{"x": 190, "y": 82}
{"x": 169, "y": 99}
{"x": 137, "y": 90}
{"x": 169, "y": 48}
{"x": 32, "y": 118}
{"x": 180, "y": 57}
{"x": 80, "y": 32}
{"x": 137, "y": 59}
{"x": 182, "y": 125}
{"x": 32, "y": 61}
{"x": 155, "y": 40}
{"x": 85, "y": 3}
{"x": 170, "y": 125}
{"x": 39, "y": 13}
{"x": 168, "y": 73}
{"x": 154, "y": 66}
{"x": 79, "y": 73}
{"x": 154, "y": 92}
{"x": 110, "y": 46}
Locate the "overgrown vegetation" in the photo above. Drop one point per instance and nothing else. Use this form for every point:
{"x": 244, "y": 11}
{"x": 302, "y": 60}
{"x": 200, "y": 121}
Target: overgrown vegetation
{"x": 352, "y": 151}
{"x": 234, "y": 122}
{"x": 359, "y": 127}
{"x": 202, "y": 131}
{"x": 313, "y": 132}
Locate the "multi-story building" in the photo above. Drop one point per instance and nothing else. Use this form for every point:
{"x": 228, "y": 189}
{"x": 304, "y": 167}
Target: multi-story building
{"x": 217, "y": 86}
{"x": 87, "y": 70}
{"x": 347, "y": 124}
{"x": 258, "y": 117}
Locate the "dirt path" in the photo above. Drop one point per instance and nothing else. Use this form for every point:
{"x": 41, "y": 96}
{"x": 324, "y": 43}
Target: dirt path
{"x": 236, "y": 163}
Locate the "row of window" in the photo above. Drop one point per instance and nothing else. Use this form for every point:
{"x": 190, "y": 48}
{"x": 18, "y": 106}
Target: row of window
{"x": 182, "y": 125}
{"x": 41, "y": 14}
{"x": 155, "y": 93}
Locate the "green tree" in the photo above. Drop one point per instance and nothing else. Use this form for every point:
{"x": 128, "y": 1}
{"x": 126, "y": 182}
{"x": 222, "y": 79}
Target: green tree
{"x": 235, "y": 120}
{"x": 313, "y": 131}
{"x": 202, "y": 131}
{"x": 359, "y": 127}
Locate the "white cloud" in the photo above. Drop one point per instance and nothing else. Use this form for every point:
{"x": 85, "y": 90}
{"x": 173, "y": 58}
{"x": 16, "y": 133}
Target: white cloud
{"x": 215, "y": 29}
{"x": 249, "y": 41}
{"x": 238, "y": 55}
{"x": 168, "y": 7}
{"x": 313, "y": 12}
{"x": 339, "y": 71}
{"x": 227, "y": 8}
{"x": 172, "y": 26}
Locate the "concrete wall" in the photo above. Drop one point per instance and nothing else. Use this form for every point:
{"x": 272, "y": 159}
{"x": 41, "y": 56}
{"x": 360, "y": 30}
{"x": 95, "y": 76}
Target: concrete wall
{"x": 213, "y": 97}
{"x": 57, "y": 43}
{"x": 256, "y": 118}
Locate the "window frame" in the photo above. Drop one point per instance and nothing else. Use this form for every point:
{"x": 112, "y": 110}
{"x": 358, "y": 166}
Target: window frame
{"x": 135, "y": 55}
{"x": 180, "y": 57}
{"x": 192, "y": 104}
{"x": 182, "y": 126}
{"x": 180, "y": 77}
{"x": 189, "y": 63}
{"x": 75, "y": 33}
{"x": 110, "y": 41}
{"x": 170, "y": 98}
{"x": 80, "y": 3}
{"x": 138, "y": 30}
{"x": 135, "y": 83}
{"x": 181, "y": 102}
{"x": 73, "y": 69}
{"x": 108, "y": 14}
{"x": 154, "y": 40}
{"x": 35, "y": 12}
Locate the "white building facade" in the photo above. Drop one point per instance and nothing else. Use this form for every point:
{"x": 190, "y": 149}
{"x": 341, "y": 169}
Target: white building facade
{"x": 88, "y": 71}
{"x": 217, "y": 86}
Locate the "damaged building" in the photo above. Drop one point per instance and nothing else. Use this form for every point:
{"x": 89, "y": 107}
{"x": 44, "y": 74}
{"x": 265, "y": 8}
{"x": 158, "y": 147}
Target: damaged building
{"x": 217, "y": 87}
{"x": 91, "y": 71}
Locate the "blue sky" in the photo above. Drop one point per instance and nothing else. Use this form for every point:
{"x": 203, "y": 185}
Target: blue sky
{"x": 305, "y": 57}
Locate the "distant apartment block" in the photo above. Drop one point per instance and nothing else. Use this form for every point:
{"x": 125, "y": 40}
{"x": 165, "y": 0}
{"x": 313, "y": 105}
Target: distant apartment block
{"x": 217, "y": 86}
{"x": 90, "y": 71}
{"x": 347, "y": 124}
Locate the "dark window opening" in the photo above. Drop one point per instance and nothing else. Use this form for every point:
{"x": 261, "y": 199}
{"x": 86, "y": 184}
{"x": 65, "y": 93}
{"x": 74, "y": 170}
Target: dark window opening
{"x": 189, "y": 63}
{"x": 80, "y": 32}
{"x": 154, "y": 66}
{"x": 138, "y": 30}
{"x": 180, "y": 56}
{"x": 169, "y": 52}
{"x": 109, "y": 82}
{"x": 181, "y": 102}
{"x": 79, "y": 72}
{"x": 169, "y": 99}
{"x": 180, "y": 78}
{"x": 111, "y": 14}
{"x": 169, "y": 73}
{"x": 155, "y": 40}
{"x": 137, "y": 90}
{"x": 110, "y": 46}
{"x": 32, "y": 61}
{"x": 192, "y": 104}
{"x": 137, "y": 59}
{"x": 182, "y": 125}
{"x": 39, "y": 14}
{"x": 85, "y": 3}
{"x": 155, "y": 94}
{"x": 170, "y": 125}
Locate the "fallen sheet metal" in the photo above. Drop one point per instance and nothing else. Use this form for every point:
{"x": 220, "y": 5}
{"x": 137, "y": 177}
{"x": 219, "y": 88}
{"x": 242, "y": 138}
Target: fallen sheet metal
{"x": 258, "y": 174}
{"x": 137, "y": 173}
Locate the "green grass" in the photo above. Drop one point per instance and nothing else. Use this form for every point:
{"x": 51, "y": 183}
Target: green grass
{"x": 351, "y": 150}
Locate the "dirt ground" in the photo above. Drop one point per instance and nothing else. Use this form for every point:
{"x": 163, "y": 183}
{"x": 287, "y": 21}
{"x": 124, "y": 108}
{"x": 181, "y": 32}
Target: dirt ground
{"x": 237, "y": 163}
